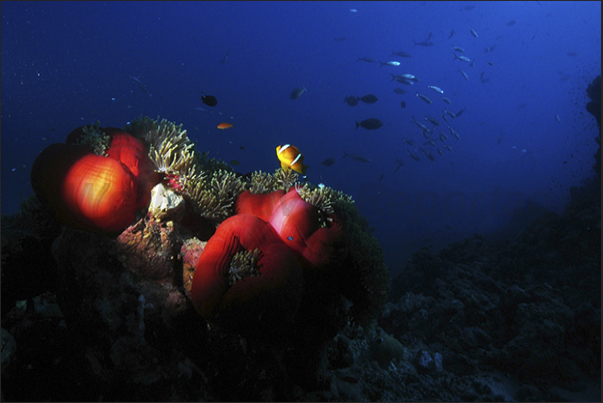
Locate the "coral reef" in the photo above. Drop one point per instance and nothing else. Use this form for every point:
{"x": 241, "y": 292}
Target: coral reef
{"x": 113, "y": 306}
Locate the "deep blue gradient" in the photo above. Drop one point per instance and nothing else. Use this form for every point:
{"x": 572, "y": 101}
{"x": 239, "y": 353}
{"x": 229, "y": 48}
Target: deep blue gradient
{"x": 68, "y": 64}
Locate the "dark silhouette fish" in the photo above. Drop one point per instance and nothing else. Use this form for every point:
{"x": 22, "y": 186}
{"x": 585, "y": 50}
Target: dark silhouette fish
{"x": 370, "y": 124}
{"x": 351, "y": 100}
{"x": 141, "y": 85}
{"x": 399, "y": 91}
{"x": 356, "y": 157}
{"x": 424, "y": 43}
{"x": 401, "y": 54}
{"x": 298, "y": 92}
{"x": 209, "y": 100}
{"x": 328, "y": 162}
{"x": 225, "y": 58}
{"x": 403, "y": 104}
{"x": 459, "y": 113}
{"x": 366, "y": 59}
{"x": 369, "y": 99}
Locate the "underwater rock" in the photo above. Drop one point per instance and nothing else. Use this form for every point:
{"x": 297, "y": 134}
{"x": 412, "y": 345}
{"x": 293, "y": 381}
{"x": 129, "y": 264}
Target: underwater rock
{"x": 166, "y": 205}
{"x": 149, "y": 248}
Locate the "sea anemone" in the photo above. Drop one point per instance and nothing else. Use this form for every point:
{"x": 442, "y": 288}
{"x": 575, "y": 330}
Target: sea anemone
{"x": 214, "y": 197}
{"x": 170, "y": 148}
{"x": 261, "y": 182}
{"x": 272, "y": 297}
{"x": 100, "y": 193}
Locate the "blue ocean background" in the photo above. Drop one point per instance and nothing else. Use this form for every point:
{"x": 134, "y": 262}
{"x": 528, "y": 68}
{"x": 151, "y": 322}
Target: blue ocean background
{"x": 68, "y": 64}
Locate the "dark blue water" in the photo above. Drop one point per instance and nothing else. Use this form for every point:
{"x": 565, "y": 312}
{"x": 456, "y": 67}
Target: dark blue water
{"x": 65, "y": 65}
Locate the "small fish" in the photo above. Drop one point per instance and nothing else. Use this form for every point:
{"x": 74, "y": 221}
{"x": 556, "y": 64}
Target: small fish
{"x": 380, "y": 178}
{"x": 403, "y": 104}
{"x": 234, "y": 163}
{"x": 413, "y": 155}
{"x": 439, "y": 151}
{"x": 399, "y": 91}
{"x": 464, "y": 74}
{"x": 428, "y": 154}
{"x": 351, "y": 100}
{"x": 401, "y": 54}
{"x": 421, "y": 125}
{"x": 443, "y": 137}
{"x": 225, "y": 58}
{"x": 452, "y": 115}
{"x": 223, "y": 126}
{"x": 390, "y": 63}
{"x": 448, "y": 101}
{"x": 356, "y": 157}
{"x": 558, "y": 118}
{"x": 444, "y": 117}
{"x": 433, "y": 121}
{"x": 370, "y": 124}
{"x": 409, "y": 142}
{"x": 446, "y": 146}
{"x": 459, "y": 113}
{"x": 473, "y": 32}
{"x": 369, "y": 99}
{"x": 291, "y": 158}
{"x": 458, "y": 49}
{"x": 451, "y": 34}
{"x": 436, "y": 89}
{"x": 353, "y": 10}
{"x": 366, "y": 59}
{"x": 400, "y": 164}
{"x": 461, "y": 58}
{"x": 209, "y": 100}
{"x": 424, "y": 98}
{"x": 298, "y": 92}
{"x": 141, "y": 85}
{"x": 328, "y": 162}
{"x": 454, "y": 133}
{"x": 424, "y": 43}
{"x": 482, "y": 75}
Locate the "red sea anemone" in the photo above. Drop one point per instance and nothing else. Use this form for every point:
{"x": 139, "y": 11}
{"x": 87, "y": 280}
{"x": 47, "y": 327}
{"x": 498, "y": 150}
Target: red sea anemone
{"x": 94, "y": 192}
{"x": 273, "y": 295}
{"x": 289, "y": 239}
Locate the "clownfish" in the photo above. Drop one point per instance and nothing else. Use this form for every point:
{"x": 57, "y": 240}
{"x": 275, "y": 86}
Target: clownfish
{"x": 291, "y": 158}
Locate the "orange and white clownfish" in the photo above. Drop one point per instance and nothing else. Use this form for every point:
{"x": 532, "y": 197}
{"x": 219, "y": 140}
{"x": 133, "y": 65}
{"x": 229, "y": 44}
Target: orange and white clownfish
{"x": 291, "y": 158}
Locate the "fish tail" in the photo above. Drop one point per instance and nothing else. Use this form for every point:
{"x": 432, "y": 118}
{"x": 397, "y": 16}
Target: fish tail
{"x": 381, "y": 63}
{"x": 357, "y": 126}
{"x": 344, "y": 154}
